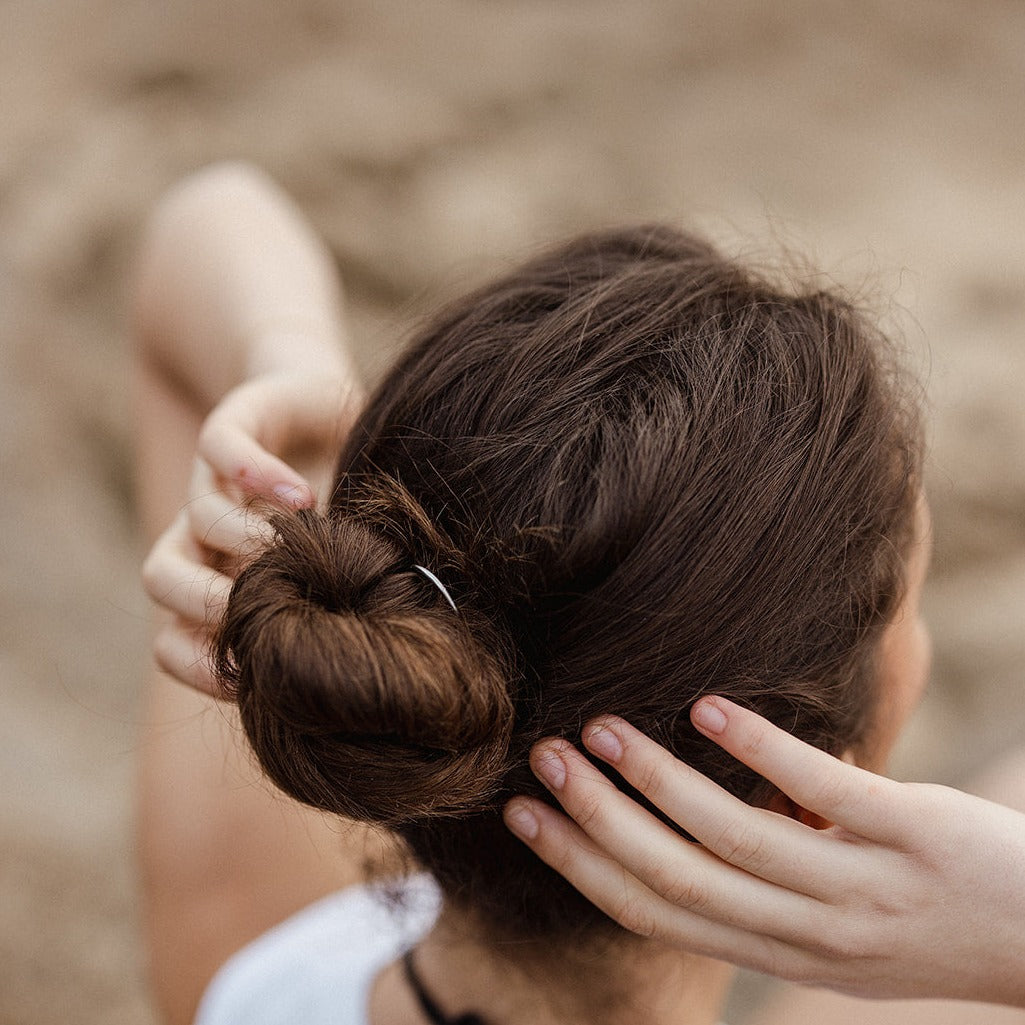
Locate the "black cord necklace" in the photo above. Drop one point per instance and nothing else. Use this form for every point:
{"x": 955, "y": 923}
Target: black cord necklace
{"x": 427, "y": 1004}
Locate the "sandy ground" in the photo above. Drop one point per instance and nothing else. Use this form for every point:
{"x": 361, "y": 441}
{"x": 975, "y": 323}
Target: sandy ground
{"x": 433, "y": 142}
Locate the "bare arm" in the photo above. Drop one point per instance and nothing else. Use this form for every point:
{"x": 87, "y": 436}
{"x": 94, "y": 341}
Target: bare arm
{"x": 223, "y": 856}
{"x": 233, "y": 283}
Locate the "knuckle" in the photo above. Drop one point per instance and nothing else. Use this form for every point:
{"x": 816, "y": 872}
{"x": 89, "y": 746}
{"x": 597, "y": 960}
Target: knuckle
{"x": 197, "y": 514}
{"x": 830, "y": 792}
{"x": 565, "y": 857}
{"x": 741, "y": 846}
{"x": 634, "y": 915}
{"x": 560, "y": 849}
{"x": 844, "y": 941}
{"x": 652, "y": 771}
{"x": 559, "y": 854}
{"x": 209, "y": 530}
{"x": 197, "y": 475}
{"x": 688, "y": 895}
{"x": 152, "y": 575}
{"x": 801, "y": 967}
{"x": 202, "y": 535}
{"x": 195, "y": 676}
{"x": 211, "y": 430}
{"x": 753, "y": 742}
{"x": 682, "y": 891}
{"x": 648, "y": 776}
{"x": 163, "y": 654}
{"x": 165, "y": 665}
{"x": 766, "y": 957}
{"x": 148, "y": 570}
{"x": 589, "y": 810}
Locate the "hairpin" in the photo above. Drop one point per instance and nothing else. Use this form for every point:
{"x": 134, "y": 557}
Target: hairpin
{"x": 438, "y": 584}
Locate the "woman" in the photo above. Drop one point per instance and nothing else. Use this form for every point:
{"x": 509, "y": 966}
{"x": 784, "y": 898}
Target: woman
{"x": 625, "y": 474}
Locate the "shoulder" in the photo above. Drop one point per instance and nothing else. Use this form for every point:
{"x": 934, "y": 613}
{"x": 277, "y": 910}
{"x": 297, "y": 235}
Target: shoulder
{"x": 318, "y": 965}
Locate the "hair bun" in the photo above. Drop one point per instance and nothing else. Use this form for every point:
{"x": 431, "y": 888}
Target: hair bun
{"x": 360, "y": 689}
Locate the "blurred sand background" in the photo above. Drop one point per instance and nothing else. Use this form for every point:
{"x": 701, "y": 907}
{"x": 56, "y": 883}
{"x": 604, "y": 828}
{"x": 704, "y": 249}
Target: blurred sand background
{"x": 432, "y": 143}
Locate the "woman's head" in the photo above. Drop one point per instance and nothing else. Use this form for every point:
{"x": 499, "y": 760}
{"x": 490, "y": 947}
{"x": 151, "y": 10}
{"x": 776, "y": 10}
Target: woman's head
{"x": 643, "y": 474}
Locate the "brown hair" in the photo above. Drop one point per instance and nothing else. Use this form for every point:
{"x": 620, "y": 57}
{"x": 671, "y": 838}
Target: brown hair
{"x": 643, "y": 473}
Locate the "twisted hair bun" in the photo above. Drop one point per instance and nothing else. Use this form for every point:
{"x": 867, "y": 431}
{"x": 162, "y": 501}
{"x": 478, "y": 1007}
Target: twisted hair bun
{"x": 362, "y": 692}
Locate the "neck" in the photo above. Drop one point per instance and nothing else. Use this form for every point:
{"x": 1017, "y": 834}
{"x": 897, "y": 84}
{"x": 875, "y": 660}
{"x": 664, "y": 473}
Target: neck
{"x": 635, "y": 980}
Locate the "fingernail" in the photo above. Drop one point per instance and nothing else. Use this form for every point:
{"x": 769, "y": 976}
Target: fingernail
{"x": 294, "y": 495}
{"x": 552, "y": 770}
{"x": 522, "y": 821}
{"x": 708, "y": 718}
{"x": 605, "y": 744}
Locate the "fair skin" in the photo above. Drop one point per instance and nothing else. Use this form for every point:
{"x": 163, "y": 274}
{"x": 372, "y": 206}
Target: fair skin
{"x": 862, "y": 907}
{"x": 252, "y": 856}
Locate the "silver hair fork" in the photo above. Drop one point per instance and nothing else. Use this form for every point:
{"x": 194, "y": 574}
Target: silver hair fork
{"x": 438, "y": 584}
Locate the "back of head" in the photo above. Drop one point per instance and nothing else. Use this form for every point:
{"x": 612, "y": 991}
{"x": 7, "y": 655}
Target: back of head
{"x": 642, "y": 474}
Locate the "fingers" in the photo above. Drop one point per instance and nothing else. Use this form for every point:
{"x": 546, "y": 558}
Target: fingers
{"x": 684, "y": 875}
{"x": 235, "y": 462}
{"x": 564, "y": 846}
{"x": 860, "y": 801}
{"x": 218, "y": 522}
{"x": 763, "y": 843}
{"x": 273, "y": 414}
{"x": 236, "y": 456}
{"x": 561, "y": 844}
{"x": 183, "y": 652}
{"x": 176, "y": 578}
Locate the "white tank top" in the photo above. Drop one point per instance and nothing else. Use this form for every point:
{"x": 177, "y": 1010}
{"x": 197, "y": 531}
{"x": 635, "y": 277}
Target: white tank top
{"x": 317, "y": 967}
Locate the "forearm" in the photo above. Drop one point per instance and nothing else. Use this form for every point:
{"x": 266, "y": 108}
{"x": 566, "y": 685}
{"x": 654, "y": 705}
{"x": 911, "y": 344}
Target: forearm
{"x": 233, "y": 282}
{"x": 222, "y": 856}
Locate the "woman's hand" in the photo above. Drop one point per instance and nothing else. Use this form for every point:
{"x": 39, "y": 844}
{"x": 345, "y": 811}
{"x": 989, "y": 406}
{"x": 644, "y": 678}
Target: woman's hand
{"x": 239, "y": 476}
{"x": 917, "y": 891}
